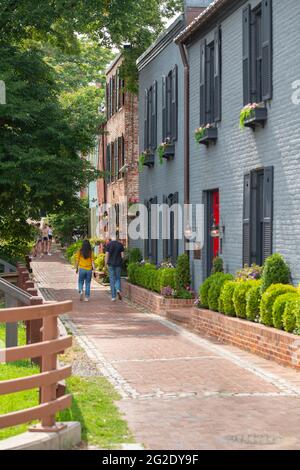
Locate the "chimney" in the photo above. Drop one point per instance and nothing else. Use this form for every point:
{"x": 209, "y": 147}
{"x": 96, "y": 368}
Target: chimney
{"x": 193, "y": 8}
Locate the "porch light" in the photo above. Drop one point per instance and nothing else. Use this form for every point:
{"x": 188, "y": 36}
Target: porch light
{"x": 188, "y": 233}
{"x": 216, "y": 230}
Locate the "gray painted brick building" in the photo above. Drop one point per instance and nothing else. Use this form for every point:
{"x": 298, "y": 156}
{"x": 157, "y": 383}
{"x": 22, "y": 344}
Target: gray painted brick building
{"x": 248, "y": 179}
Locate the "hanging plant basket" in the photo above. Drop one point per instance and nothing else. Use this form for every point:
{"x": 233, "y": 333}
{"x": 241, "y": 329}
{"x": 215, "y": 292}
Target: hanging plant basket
{"x": 206, "y": 135}
{"x": 253, "y": 115}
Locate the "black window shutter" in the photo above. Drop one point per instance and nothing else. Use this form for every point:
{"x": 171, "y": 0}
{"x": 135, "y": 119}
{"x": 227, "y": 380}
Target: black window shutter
{"x": 247, "y": 219}
{"x": 117, "y": 91}
{"x": 154, "y": 116}
{"x": 110, "y": 98}
{"x": 268, "y": 212}
{"x": 164, "y": 108}
{"x": 174, "y": 103}
{"x": 116, "y": 159}
{"x": 107, "y": 101}
{"x": 146, "y": 126}
{"x": 175, "y": 230}
{"x": 202, "y": 81}
{"x": 107, "y": 166}
{"x": 247, "y": 54}
{"x": 154, "y": 240}
{"x": 217, "y": 75}
{"x": 165, "y": 221}
{"x": 266, "y": 49}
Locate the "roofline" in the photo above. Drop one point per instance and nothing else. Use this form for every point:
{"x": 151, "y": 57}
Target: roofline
{"x": 163, "y": 40}
{"x": 214, "y": 8}
{"x": 113, "y": 63}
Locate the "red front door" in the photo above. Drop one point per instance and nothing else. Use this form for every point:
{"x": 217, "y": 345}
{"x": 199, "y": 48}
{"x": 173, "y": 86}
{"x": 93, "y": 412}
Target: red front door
{"x": 216, "y": 218}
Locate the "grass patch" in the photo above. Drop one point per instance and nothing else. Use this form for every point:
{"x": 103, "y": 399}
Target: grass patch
{"x": 21, "y": 333}
{"x": 93, "y": 405}
{"x": 93, "y": 402}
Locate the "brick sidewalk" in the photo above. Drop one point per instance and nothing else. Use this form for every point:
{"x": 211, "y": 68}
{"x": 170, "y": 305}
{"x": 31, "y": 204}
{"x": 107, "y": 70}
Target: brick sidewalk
{"x": 179, "y": 390}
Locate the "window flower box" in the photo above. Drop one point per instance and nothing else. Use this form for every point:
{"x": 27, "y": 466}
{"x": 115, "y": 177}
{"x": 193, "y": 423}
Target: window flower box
{"x": 253, "y": 115}
{"x": 166, "y": 150}
{"x": 206, "y": 134}
{"x": 147, "y": 158}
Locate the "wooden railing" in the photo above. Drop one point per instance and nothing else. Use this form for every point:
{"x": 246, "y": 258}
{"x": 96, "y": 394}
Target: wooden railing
{"x": 48, "y": 378}
{"x": 6, "y": 267}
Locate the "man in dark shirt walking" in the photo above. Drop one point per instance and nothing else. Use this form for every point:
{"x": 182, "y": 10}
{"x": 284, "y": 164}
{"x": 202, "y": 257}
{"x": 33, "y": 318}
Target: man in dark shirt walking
{"x": 113, "y": 259}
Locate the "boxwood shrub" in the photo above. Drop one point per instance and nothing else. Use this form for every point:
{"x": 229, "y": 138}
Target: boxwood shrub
{"x": 215, "y": 290}
{"x": 239, "y": 297}
{"x": 204, "y": 288}
{"x": 291, "y": 315}
{"x": 226, "y": 298}
{"x": 268, "y": 299}
{"x": 276, "y": 271}
{"x": 182, "y": 273}
{"x": 279, "y": 309}
{"x": 253, "y": 299}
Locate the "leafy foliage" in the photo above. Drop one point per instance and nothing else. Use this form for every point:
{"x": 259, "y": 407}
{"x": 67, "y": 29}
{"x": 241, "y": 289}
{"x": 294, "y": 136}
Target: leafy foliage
{"x": 291, "y": 315}
{"x": 276, "y": 271}
{"x": 226, "y": 298}
{"x": 253, "y": 299}
{"x": 268, "y": 299}
{"x": 239, "y": 297}
{"x": 218, "y": 265}
{"x": 215, "y": 290}
{"x": 183, "y": 275}
{"x": 64, "y": 223}
{"x": 279, "y": 308}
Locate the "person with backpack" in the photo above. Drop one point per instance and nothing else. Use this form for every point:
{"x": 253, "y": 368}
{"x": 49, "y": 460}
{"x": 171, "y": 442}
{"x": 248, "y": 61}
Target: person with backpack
{"x": 84, "y": 267}
{"x": 114, "y": 254}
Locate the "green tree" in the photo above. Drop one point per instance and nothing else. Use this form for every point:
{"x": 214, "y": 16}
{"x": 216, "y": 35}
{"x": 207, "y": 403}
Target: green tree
{"x": 64, "y": 223}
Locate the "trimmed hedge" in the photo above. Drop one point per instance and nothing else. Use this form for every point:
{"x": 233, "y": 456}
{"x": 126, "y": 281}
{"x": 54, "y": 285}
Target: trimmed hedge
{"x": 279, "y": 309}
{"x": 215, "y": 289}
{"x": 291, "y": 315}
{"x": 268, "y": 299}
{"x": 253, "y": 299}
{"x": 226, "y": 298}
{"x": 239, "y": 297}
{"x": 150, "y": 278}
{"x": 204, "y": 288}
{"x": 276, "y": 271}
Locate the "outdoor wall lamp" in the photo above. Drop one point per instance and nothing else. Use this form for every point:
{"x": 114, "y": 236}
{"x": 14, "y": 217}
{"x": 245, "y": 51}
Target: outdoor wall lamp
{"x": 217, "y": 231}
{"x": 188, "y": 232}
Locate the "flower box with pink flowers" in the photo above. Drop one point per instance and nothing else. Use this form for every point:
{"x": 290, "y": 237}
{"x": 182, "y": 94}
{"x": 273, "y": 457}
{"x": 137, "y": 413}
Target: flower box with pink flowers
{"x": 206, "y": 134}
{"x": 253, "y": 115}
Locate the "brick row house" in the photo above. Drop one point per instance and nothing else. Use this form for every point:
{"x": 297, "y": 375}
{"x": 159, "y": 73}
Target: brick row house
{"x": 118, "y": 148}
{"x": 200, "y": 73}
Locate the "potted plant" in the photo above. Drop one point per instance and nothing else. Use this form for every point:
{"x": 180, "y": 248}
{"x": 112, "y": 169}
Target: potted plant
{"x": 166, "y": 150}
{"x": 252, "y": 115}
{"x": 206, "y": 134}
{"x": 146, "y": 159}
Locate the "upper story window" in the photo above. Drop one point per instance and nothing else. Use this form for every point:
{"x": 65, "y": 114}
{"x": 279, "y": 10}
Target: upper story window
{"x": 115, "y": 95}
{"x": 257, "y": 52}
{"x": 115, "y": 159}
{"x": 210, "y": 80}
{"x": 170, "y": 105}
{"x": 150, "y": 118}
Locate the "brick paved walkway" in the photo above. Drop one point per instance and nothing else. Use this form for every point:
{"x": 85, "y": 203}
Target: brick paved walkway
{"x": 180, "y": 391}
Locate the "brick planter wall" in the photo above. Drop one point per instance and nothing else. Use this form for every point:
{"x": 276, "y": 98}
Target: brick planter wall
{"x": 269, "y": 343}
{"x": 152, "y": 301}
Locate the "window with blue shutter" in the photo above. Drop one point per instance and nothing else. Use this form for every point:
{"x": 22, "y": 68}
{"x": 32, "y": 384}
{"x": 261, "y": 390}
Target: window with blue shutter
{"x": 170, "y": 105}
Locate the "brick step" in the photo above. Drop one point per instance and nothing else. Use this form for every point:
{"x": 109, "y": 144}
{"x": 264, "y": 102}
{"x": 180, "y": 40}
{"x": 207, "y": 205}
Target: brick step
{"x": 183, "y": 315}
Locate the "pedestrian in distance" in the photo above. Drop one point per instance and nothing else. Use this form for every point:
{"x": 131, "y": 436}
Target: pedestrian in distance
{"x": 45, "y": 236}
{"x": 37, "y": 249}
{"x": 50, "y": 238}
{"x": 84, "y": 267}
{"x": 113, "y": 259}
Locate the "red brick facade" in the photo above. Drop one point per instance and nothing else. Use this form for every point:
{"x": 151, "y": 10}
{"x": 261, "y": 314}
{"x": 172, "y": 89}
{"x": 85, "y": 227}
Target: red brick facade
{"x": 123, "y": 123}
{"x": 269, "y": 343}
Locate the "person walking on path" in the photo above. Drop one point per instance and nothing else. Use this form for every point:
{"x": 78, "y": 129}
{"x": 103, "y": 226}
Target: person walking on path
{"x": 113, "y": 259}
{"x": 84, "y": 267}
{"x": 45, "y": 235}
{"x": 50, "y": 238}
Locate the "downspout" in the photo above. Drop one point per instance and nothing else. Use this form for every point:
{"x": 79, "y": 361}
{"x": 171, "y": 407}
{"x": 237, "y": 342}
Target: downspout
{"x": 186, "y": 153}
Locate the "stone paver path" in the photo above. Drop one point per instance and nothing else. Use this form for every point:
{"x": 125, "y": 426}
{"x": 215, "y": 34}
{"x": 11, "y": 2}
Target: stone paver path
{"x": 179, "y": 390}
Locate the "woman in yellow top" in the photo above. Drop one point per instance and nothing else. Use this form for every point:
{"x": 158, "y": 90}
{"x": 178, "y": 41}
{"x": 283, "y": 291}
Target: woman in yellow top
{"x": 85, "y": 265}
